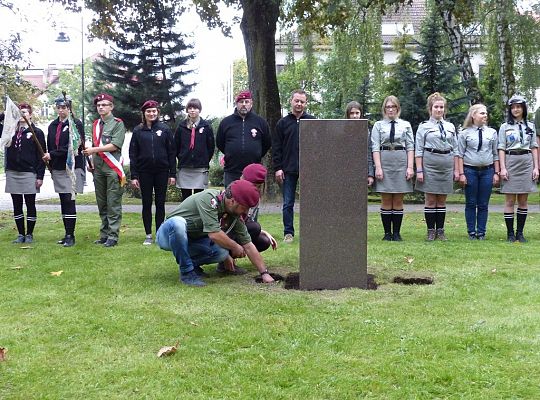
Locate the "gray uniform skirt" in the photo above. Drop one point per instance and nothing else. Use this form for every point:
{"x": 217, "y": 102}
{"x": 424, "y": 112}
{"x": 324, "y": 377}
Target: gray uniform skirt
{"x": 438, "y": 173}
{"x": 20, "y": 182}
{"x": 192, "y": 178}
{"x": 519, "y": 169}
{"x": 394, "y": 166}
{"x": 62, "y": 181}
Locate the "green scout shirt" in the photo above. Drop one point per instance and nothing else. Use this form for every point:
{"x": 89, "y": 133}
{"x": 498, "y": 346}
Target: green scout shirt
{"x": 113, "y": 132}
{"x": 205, "y": 213}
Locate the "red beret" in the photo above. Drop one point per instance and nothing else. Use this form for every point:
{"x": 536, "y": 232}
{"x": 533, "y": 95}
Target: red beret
{"x": 245, "y": 193}
{"x": 103, "y": 96}
{"x": 149, "y": 104}
{"x": 25, "y": 106}
{"x": 254, "y": 173}
{"x": 244, "y": 94}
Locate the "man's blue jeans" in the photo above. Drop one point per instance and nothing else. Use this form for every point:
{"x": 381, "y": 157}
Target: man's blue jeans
{"x": 172, "y": 236}
{"x": 477, "y": 194}
{"x": 289, "y": 194}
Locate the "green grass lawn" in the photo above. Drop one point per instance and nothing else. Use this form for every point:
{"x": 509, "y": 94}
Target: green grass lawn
{"x": 93, "y": 332}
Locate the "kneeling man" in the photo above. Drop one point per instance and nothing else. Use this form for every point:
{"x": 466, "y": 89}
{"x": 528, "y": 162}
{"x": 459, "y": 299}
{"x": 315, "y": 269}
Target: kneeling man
{"x": 196, "y": 231}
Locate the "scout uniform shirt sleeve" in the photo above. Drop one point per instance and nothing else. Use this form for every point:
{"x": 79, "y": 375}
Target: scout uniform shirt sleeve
{"x": 461, "y": 143}
{"x": 494, "y": 144}
{"x": 451, "y": 136}
{"x": 208, "y": 211}
{"x": 502, "y": 137}
{"x": 421, "y": 139}
{"x": 376, "y": 137}
{"x": 408, "y": 137}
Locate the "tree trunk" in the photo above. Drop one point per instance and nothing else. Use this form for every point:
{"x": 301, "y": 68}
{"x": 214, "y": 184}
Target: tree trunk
{"x": 258, "y": 26}
{"x": 506, "y": 65}
{"x": 461, "y": 55}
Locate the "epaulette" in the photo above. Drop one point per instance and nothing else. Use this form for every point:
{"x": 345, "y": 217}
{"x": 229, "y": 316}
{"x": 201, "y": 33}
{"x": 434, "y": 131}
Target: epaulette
{"x": 118, "y": 119}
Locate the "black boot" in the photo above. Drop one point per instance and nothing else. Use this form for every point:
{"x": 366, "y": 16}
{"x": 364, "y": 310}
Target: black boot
{"x": 69, "y": 241}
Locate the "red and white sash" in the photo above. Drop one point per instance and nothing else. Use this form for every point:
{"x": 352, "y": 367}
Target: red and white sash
{"x": 109, "y": 159}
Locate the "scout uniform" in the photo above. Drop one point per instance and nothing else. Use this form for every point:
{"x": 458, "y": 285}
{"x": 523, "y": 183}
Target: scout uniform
{"x": 393, "y": 154}
{"x": 477, "y": 146}
{"x": 517, "y": 139}
{"x": 185, "y": 231}
{"x": 109, "y": 177}
{"x": 58, "y": 142}
{"x": 436, "y": 144}
{"x": 24, "y": 167}
{"x": 392, "y": 139}
{"x": 435, "y": 149}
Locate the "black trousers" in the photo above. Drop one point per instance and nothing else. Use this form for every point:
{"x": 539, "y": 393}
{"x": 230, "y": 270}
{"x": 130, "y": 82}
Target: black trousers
{"x": 153, "y": 185}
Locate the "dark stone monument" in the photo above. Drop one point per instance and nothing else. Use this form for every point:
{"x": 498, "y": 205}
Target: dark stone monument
{"x": 333, "y": 210}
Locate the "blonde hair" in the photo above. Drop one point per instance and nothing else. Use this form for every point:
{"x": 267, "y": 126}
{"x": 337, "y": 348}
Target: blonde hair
{"x": 432, "y": 98}
{"x": 468, "y": 122}
{"x": 394, "y": 100}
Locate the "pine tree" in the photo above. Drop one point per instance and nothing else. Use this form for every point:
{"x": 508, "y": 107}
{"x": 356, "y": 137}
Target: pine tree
{"x": 404, "y": 83}
{"x": 146, "y": 64}
{"x": 437, "y": 70}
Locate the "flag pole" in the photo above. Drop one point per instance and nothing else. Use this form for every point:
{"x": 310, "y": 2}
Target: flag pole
{"x": 83, "y": 140}
{"x": 36, "y": 141}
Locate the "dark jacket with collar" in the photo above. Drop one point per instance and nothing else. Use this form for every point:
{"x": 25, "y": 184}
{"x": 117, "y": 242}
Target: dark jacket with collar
{"x": 27, "y": 157}
{"x": 243, "y": 141}
{"x": 152, "y": 150}
{"x": 59, "y": 153}
{"x": 203, "y": 149}
{"x": 286, "y": 142}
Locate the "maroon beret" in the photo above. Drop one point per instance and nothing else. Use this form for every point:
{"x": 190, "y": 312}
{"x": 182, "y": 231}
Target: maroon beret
{"x": 149, "y": 104}
{"x": 103, "y": 96}
{"x": 245, "y": 193}
{"x": 244, "y": 94}
{"x": 254, "y": 173}
{"x": 25, "y": 106}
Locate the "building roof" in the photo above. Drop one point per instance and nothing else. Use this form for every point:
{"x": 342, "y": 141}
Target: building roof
{"x": 406, "y": 20}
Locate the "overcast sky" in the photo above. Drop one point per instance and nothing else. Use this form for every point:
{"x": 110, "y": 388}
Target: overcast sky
{"x": 41, "y": 23}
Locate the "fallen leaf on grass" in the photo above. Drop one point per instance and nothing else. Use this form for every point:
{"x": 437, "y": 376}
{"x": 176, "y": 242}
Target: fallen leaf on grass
{"x": 193, "y": 323}
{"x": 167, "y": 350}
{"x": 409, "y": 260}
{"x": 494, "y": 270}
{"x": 3, "y": 354}
{"x": 26, "y": 247}
{"x": 56, "y": 273}
{"x": 17, "y": 267}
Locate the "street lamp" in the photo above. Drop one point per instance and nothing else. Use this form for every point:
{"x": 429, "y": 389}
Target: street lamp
{"x": 64, "y": 38}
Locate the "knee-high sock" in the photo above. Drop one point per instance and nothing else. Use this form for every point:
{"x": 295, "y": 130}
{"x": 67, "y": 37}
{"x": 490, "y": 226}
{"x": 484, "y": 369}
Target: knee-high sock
{"x": 430, "y": 217}
{"x": 31, "y": 213}
{"x": 509, "y": 221}
{"x": 18, "y": 215}
{"x": 521, "y": 218}
{"x": 440, "y": 217}
{"x": 397, "y": 218}
{"x": 69, "y": 213}
{"x": 386, "y": 218}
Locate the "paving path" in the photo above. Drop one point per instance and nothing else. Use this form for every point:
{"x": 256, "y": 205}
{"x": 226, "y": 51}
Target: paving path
{"x": 47, "y": 192}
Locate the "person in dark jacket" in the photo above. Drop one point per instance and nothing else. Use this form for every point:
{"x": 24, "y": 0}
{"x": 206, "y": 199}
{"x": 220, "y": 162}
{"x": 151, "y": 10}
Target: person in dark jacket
{"x": 243, "y": 137}
{"x": 285, "y": 155}
{"x": 58, "y": 146}
{"x": 152, "y": 164}
{"x": 24, "y": 173}
{"x": 195, "y": 146}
